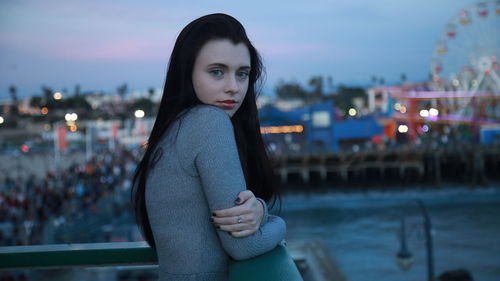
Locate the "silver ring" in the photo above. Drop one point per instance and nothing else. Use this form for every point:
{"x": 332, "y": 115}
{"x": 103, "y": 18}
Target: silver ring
{"x": 240, "y": 220}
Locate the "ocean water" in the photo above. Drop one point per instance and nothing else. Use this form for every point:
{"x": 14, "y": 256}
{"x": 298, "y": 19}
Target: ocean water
{"x": 361, "y": 230}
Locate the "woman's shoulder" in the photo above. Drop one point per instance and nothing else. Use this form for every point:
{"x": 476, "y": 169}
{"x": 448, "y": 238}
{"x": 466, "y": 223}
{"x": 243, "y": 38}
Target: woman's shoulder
{"x": 203, "y": 115}
{"x": 204, "y": 110}
{"x": 200, "y": 126}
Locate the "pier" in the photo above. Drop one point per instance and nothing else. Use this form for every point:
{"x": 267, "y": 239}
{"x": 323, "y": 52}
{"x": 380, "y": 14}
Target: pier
{"x": 475, "y": 165}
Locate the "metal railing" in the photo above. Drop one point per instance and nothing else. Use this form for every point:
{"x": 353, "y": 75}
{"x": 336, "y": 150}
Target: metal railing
{"x": 76, "y": 255}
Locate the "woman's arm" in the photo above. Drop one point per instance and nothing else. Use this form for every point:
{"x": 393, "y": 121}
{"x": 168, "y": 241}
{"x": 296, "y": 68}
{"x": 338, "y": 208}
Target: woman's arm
{"x": 219, "y": 169}
{"x": 252, "y": 212}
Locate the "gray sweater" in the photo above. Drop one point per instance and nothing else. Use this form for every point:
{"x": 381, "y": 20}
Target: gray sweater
{"x": 199, "y": 171}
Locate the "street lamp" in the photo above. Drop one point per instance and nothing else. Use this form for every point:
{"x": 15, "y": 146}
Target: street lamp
{"x": 70, "y": 121}
{"x": 404, "y": 257}
{"x": 402, "y": 129}
{"x": 352, "y": 112}
{"x": 433, "y": 112}
{"x": 70, "y": 117}
{"x": 424, "y": 113}
{"x": 139, "y": 113}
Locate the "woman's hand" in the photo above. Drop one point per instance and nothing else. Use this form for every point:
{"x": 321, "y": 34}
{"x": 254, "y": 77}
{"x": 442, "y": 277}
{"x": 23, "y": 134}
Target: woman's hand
{"x": 242, "y": 220}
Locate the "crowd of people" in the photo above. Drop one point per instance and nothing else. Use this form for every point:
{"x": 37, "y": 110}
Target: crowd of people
{"x": 33, "y": 210}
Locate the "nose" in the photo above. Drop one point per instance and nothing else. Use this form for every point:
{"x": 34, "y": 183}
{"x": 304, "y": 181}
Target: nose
{"x": 231, "y": 86}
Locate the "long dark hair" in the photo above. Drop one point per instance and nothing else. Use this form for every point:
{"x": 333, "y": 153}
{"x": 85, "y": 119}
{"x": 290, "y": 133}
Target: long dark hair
{"x": 179, "y": 94}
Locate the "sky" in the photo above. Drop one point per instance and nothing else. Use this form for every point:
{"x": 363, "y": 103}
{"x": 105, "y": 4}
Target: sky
{"x": 101, "y": 44}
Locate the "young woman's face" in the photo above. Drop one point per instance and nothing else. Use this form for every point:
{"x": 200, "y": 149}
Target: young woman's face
{"x": 220, "y": 74}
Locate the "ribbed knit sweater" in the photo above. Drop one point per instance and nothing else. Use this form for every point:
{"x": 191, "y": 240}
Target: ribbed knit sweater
{"x": 196, "y": 171}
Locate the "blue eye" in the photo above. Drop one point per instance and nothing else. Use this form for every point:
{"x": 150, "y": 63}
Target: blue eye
{"x": 216, "y": 72}
{"x": 242, "y": 75}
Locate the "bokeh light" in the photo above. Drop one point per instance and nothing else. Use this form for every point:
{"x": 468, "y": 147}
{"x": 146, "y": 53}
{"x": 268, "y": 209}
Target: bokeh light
{"x": 139, "y": 113}
{"x": 352, "y": 112}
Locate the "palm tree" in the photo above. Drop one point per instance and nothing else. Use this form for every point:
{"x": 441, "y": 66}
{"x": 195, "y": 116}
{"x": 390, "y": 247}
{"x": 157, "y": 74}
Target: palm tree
{"x": 13, "y": 95}
{"x": 290, "y": 90}
{"x": 316, "y": 82}
{"x": 77, "y": 89}
{"x": 151, "y": 92}
{"x": 122, "y": 90}
{"x": 329, "y": 81}
{"x": 403, "y": 77}
{"x": 47, "y": 93}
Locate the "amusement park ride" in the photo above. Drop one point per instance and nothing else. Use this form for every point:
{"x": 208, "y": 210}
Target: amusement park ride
{"x": 465, "y": 86}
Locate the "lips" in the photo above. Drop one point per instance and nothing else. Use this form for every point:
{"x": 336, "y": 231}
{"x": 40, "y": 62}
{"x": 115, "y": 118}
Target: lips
{"x": 227, "y": 104}
{"x": 228, "y": 101}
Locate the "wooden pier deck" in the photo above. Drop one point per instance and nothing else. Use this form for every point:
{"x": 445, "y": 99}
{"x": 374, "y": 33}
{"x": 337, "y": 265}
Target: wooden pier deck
{"x": 461, "y": 164}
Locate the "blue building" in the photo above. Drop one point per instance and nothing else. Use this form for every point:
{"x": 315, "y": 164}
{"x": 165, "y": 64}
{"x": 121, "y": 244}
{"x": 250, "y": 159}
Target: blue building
{"x": 490, "y": 136}
{"x": 320, "y": 127}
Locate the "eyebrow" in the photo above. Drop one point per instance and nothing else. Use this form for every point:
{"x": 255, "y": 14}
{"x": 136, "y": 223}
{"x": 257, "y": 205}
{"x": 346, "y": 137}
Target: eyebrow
{"x": 226, "y": 67}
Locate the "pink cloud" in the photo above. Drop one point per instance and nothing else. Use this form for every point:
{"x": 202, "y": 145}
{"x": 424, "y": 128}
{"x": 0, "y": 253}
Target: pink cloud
{"x": 76, "y": 48}
{"x": 127, "y": 50}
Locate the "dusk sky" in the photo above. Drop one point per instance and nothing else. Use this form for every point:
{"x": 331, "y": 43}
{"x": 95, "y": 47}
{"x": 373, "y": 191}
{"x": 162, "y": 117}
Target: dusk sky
{"x": 103, "y": 44}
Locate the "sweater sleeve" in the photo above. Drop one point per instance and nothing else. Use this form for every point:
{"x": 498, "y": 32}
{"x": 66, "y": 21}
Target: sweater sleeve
{"x": 219, "y": 168}
{"x": 266, "y": 211}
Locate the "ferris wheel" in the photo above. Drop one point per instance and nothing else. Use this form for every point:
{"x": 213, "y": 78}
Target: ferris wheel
{"x": 467, "y": 53}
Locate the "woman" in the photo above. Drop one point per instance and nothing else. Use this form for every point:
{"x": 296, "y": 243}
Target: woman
{"x": 205, "y": 150}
